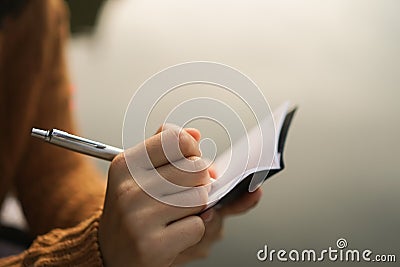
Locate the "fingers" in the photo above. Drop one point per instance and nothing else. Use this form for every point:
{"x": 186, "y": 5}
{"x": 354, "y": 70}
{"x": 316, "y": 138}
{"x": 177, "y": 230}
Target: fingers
{"x": 170, "y": 145}
{"x": 243, "y": 204}
{"x": 192, "y": 131}
{"x": 164, "y": 192}
{"x": 170, "y": 179}
{"x": 214, "y": 232}
{"x": 167, "y": 126}
{"x": 144, "y": 230}
{"x": 176, "y": 173}
{"x": 131, "y": 199}
{"x": 192, "y": 201}
{"x": 186, "y": 233}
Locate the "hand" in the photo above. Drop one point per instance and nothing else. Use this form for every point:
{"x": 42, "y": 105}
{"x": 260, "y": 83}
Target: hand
{"x": 214, "y": 219}
{"x": 137, "y": 230}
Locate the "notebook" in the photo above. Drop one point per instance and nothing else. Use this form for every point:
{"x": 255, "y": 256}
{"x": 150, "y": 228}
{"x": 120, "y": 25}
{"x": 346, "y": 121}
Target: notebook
{"x": 258, "y": 169}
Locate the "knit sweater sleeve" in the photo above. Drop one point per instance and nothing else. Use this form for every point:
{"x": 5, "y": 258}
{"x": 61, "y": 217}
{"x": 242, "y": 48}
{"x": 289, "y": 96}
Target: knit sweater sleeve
{"x": 57, "y": 188}
{"x": 76, "y": 246}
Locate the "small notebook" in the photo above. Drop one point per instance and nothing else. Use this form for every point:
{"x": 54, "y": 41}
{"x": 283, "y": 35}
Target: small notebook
{"x": 256, "y": 171}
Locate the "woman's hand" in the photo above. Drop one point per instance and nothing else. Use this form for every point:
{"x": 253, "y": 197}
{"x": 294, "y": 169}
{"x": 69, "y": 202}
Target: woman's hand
{"x": 214, "y": 219}
{"x": 137, "y": 230}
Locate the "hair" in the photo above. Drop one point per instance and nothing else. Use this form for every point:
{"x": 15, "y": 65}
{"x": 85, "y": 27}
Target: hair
{"x": 10, "y": 8}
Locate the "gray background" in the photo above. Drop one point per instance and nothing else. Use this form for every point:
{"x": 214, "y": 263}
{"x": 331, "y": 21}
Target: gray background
{"x": 337, "y": 60}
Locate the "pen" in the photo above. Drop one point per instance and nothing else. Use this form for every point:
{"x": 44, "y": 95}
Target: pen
{"x": 77, "y": 143}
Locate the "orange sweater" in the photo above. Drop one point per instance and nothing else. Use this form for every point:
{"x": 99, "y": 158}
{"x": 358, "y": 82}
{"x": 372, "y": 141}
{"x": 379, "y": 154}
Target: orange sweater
{"x": 56, "y": 188}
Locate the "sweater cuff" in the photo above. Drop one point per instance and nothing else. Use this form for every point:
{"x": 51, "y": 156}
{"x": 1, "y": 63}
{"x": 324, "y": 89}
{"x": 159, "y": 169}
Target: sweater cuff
{"x": 77, "y": 246}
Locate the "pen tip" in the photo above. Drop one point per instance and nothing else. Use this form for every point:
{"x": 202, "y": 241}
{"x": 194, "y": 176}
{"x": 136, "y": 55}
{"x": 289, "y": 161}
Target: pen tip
{"x": 42, "y": 134}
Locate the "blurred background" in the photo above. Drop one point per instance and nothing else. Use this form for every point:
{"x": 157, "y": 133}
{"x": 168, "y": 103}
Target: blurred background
{"x": 338, "y": 60}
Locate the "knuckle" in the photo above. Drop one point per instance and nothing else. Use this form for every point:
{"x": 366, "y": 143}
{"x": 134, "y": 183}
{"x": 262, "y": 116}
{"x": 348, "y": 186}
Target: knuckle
{"x": 196, "y": 167}
{"x": 187, "y": 145}
{"x": 199, "y": 164}
{"x": 202, "y": 177}
{"x": 167, "y": 126}
{"x": 198, "y": 179}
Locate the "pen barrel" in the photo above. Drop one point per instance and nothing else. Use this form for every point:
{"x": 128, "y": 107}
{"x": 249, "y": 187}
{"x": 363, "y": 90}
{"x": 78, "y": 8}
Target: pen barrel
{"x": 106, "y": 152}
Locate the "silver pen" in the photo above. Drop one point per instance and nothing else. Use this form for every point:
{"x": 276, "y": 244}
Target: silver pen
{"x": 77, "y": 143}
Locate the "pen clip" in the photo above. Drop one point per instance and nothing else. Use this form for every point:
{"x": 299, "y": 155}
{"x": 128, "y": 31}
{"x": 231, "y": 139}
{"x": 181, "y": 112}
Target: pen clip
{"x": 78, "y": 139}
